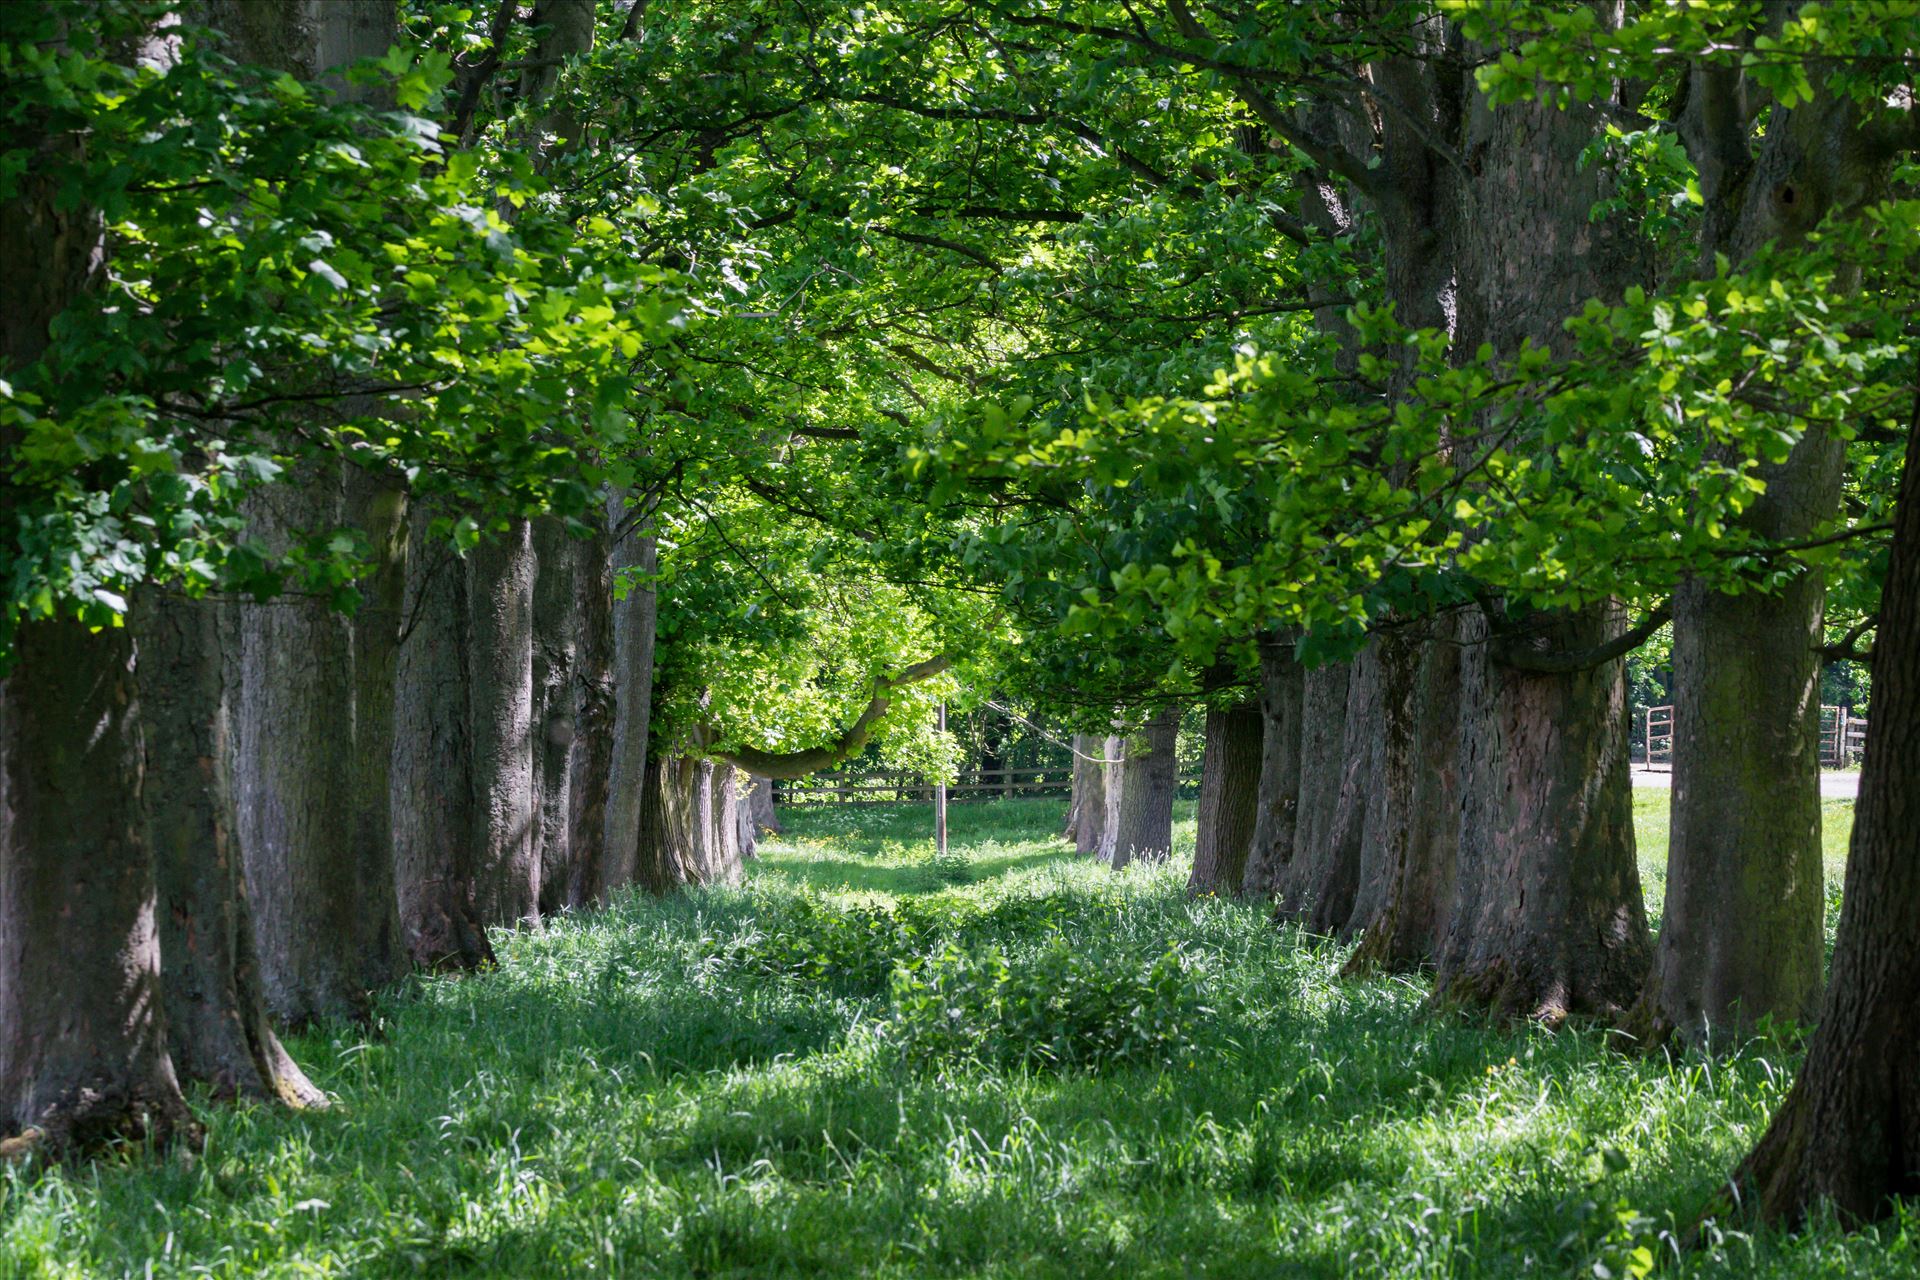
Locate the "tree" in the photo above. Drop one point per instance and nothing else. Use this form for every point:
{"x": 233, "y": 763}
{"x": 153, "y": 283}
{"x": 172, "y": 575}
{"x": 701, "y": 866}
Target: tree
{"x": 1847, "y": 1131}
{"x": 83, "y": 1043}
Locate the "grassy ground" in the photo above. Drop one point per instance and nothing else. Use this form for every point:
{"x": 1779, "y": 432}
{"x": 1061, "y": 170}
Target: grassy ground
{"x": 1070, "y": 1073}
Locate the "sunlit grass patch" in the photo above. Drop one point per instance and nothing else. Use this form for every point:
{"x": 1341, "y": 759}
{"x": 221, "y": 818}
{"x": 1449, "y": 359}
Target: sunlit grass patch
{"x": 729, "y": 1083}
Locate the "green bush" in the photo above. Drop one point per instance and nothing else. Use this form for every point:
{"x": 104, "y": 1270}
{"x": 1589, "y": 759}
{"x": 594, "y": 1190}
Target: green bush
{"x": 807, "y": 938}
{"x": 1058, "y": 1007}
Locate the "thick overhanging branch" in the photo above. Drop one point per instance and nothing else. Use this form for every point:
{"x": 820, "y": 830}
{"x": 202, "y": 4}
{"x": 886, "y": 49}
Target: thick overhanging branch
{"x": 1848, "y": 648}
{"x": 798, "y": 764}
{"x": 1566, "y": 662}
{"x": 1328, "y": 155}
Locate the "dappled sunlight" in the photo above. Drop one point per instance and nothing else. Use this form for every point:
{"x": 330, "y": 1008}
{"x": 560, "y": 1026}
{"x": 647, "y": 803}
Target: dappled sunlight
{"x": 703, "y": 1084}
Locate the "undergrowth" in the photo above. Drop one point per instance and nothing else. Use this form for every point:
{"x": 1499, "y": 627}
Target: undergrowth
{"x": 1016, "y": 1064}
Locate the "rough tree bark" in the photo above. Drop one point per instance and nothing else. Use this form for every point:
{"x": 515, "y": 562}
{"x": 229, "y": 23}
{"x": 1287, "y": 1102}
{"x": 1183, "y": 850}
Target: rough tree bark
{"x": 1547, "y": 916}
{"x": 434, "y": 841}
{"x": 746, "y": 828}
{"x": 499, "y": 637}
{"x": 315, "y": 713}
{"x": 1113, "y": 781}
{"x": 629, "y": 784}
{"x": 1405, "y": 897}
{"x": 723, "y": 861}
{"x": 1849, "y": 1130}
{"x": 83, "y": 1040}
{"x": 1276, "y": 825}
{"x": 218, "y": 1029}
{"x": 702, "y": 855}
{"x": 1143, "y": 827}
{"x": 1317, "y": 888}
{"x": 1742, "y": 929}
{"x": 1087, "y": 823}
{"x": 323, "y": 904}
{"x": 556, "y": 645}
{"x": 669, "y": 826}
{"x": 1229, "y": 799}
{"x": 376, "y": 504}
{"x": 594, "y": 701}
{"x": 766, "y": 816}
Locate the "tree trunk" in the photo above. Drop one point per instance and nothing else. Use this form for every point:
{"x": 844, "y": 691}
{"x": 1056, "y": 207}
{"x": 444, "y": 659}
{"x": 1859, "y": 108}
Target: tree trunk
{"x": 1143, "y": 827}
{"x": 1742, "y": 933}
{"x": 706, "y": 856}
{"x": 1276, "y": 822}
{"x": 500, "y": 575}
{"x": 218, "y": 1028}
{"x": 1547, "y": 918}
{"x": 1077, "y": 795}
{"x": 594, "y": 711}
{"x": 313, "y": 729}
{"x": 723, "y": 862}
{"x": 1229, "y": 799}
{"x": 1336, "y": 772}
{"x": 668, "y": 826}
{"x": 1407, "y": 884}
{"x": 746, "y": 829}
{"x": 376, "y": 504}
{"x": 1547, "y": 915}
{"x": 630, "y": 785}
{"x": 556, "y": 642}
{"x": 317, "y": 866}
{"x": 434, "y": 827}
{"x": 1088, "y": 812}
{"x": 83, "y": 1041}
{"x": 1849, "y": 1130}
{"x": 765, "y": 816}
{"x": 1113, "y": 779}
{"x": 1742, "y": 927}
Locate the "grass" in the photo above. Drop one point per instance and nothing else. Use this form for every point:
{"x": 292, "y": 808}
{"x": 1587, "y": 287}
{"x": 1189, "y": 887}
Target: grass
{"x": 1010, "y": 1064}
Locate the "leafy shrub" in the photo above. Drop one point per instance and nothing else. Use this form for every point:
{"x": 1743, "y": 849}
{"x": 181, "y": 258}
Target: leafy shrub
{"x": 1058, "y": 1007}
{"x": 805, "y": 938}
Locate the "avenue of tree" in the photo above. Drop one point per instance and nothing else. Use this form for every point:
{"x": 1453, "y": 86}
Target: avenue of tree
{"x": 454, "y": 459}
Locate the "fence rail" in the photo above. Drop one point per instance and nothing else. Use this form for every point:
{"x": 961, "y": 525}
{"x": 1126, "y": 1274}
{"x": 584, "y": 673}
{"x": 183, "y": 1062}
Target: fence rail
{"x": 884, "y": 788}
{"x": 972, "y": 784}
{"x": 1843, "y": 737}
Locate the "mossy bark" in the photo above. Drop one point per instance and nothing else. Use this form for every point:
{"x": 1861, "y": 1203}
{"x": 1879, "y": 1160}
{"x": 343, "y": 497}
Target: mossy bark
{"x": 1742, "y": 933}
{"x": 1848, "y": 1132}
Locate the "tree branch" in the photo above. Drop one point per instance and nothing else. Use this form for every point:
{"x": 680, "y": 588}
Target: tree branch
{"x": 1328, "y": 155}
{"x": 1848, "y": 649}
{"x": 1507, "y": 654}
{"x": 798, "y": 764}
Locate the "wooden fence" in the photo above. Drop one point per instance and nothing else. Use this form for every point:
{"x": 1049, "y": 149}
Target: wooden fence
{"x": 888, "y": 788}
{"x": 1843, "y": 738}
{"x": 972, "y": 784}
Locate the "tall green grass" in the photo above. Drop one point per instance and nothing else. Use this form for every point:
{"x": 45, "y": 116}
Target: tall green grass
{"x": 1012, "y": 1063}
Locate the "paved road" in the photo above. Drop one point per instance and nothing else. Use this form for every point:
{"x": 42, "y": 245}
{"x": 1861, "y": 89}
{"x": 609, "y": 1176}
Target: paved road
{"x": 1835, "y": 784}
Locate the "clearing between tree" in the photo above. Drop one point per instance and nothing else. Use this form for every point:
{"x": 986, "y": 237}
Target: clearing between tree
{"x": 1013, "y": 1062}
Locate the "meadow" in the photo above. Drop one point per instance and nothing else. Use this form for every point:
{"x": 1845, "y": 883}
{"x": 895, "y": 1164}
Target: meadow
{"x": 1010, "y": 1062}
